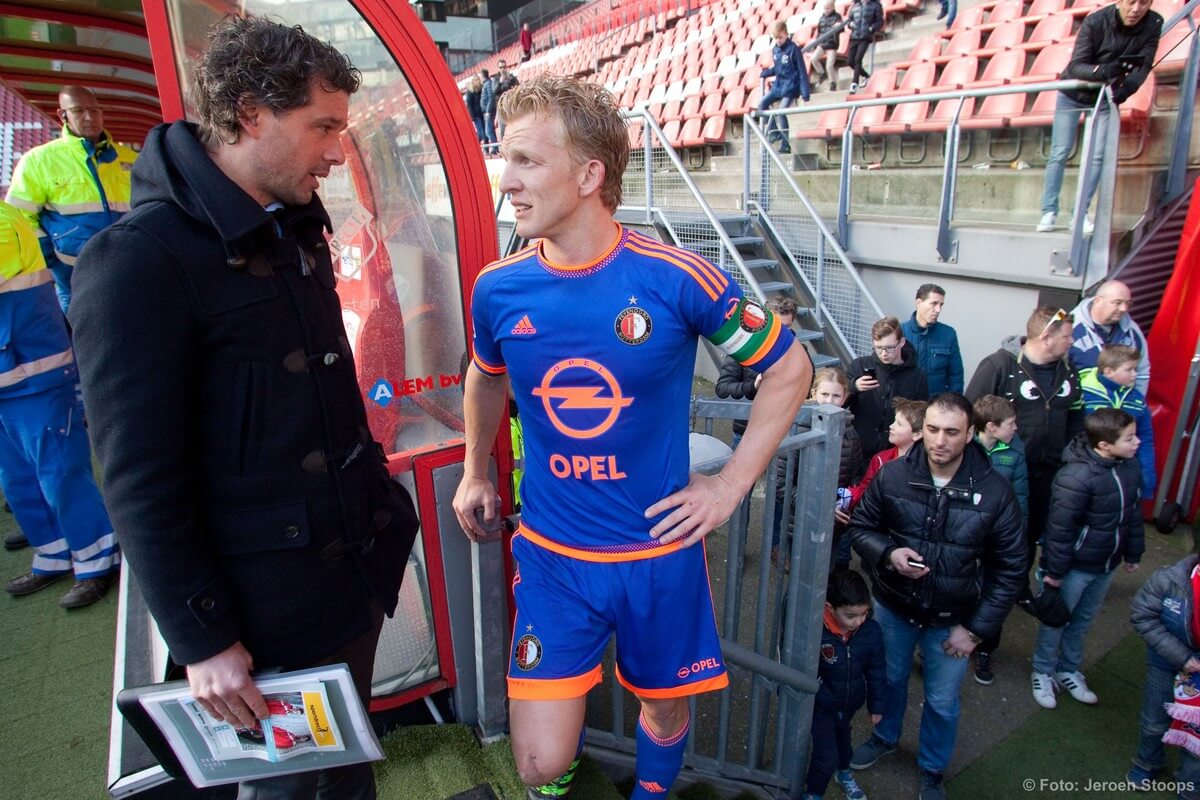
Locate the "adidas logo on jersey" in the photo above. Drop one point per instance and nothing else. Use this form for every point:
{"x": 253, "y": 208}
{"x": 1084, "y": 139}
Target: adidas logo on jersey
{"x": 524, "y": 326}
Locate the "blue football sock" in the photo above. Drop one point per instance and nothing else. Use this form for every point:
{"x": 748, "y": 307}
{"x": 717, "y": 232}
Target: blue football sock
{"x": 658, "y": 761}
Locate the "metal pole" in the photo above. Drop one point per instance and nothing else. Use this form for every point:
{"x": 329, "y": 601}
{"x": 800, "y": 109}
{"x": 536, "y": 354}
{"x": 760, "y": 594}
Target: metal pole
{"x": 844, "y": 182}
{"x": 647, "y": 149}
{"x": 749, "y": 121}
{"x": 945, "y": 247}
{"x": 1177, "y": 170}
{"x": 820, "y": 278}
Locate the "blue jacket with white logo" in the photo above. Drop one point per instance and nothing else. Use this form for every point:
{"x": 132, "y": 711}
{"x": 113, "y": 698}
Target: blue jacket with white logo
{"x": 791, "y": 77}
{"x": 852, "y": 669}
{"x": 1162, "y": 614}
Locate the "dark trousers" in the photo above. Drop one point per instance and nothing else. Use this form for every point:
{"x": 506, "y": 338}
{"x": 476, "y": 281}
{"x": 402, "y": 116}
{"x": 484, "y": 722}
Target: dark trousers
{"x": 830, "y": 748}
{"x": 858, "y": 50}
{"x": 1040, "y": 480}
{"x": 355, "y": 782}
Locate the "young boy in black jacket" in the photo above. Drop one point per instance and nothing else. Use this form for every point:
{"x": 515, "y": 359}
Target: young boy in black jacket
{"x": 1095, "y": 523}
{"x": 852, "y": 670}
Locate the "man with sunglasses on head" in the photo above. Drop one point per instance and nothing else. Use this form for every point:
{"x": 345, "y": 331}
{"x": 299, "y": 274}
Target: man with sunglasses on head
{"x": 73, "y": 187}
{"x": 1033, "y": 372}
{"x": 890, "y": 371}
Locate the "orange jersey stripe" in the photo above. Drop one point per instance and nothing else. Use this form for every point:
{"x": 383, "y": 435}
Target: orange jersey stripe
{"x": 489, "y": 369}
{"x": 713, "y": 684}
{"x": 581, "y": 267}
{"x": 520, "y": 255}
{"x": 591, "y": 555}
{"x": 719, "y": 278}
{"x": 554, "y": 688}
{"x": 704, "y": 284}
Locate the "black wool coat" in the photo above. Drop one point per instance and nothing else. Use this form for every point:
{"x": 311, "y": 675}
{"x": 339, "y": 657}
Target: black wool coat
{"x": 243, "y": 483}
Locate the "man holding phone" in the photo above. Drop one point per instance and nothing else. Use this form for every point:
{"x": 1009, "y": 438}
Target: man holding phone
{"x": 1116, "y": 46}
{"x": 890, "y": 371}
{"x": 941, "y": 533}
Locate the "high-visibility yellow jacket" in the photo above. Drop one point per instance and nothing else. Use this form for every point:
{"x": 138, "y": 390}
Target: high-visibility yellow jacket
{"x": 35, "y": 351}
{"x": 69, "y": 189}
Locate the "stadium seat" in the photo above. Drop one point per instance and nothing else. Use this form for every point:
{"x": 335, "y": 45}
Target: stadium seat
{"x": 882, "y": 81}
{"x": 926, "y": 48}
{"x": 917, "y": 78}
{"x": 711, "y": 106}
{"x": 711, "y": 85}
{"x": 690, "y": 133}
{"x": 996, "y": 111}
{"x": 1004, "y": 36}
{"x": 830, "y": 124}
{"x": 671, "y": 132}
{"x": 1050, "y": 63}
{"x": 904, "y": 116}
{"x": 714, "y": 129}
{"x": 690, "y": 107}
{"x": 968, "y": 18}
{"x": 635, "y": 135}
{"x": 963, "y": 42}
{"x": 958, "y": 73}
{"x": 1052, "y": 29}
{"x": 939, "y": 119}
{"x": 1173, "y": 50}
{"x": 672, "y": 110}
{"x": 1040, "y": 8}
{"x": 1004, "y": 67}
{"x": 734, "y": 104}
{"x": 1041, "y": 113}
{"x": 1006, "y": 10}
{"x": 868, "y": 118}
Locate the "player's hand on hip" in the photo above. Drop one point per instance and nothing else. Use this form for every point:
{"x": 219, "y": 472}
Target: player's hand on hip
{"x": 475, "y": 494}
{"x": 706, "y": 502}
{"x": 223, "y": 686}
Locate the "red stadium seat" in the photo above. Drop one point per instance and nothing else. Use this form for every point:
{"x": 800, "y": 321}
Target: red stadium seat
{"x": 831, "y": 123}
{"x": 1005, "y": 67}
{"x": 714, "y": 129}
{"x": 1173, "y": 50}
{"x": 671, "y": 132}
{"x": 735, "y": 102}
{"x": 1004, "y": 36}
{"x": 1006, "y": 10}
{"x": 689, "y": 135}
{"x": 943, "y": 113}
{"x": 1052, "y": 29}
{"x": 904, "y": 117}
{"x": 867, "y": 118}
{"x": 996, "y": 111}
{"x": 1050, "y": 63}
{"x": 711, "y": 106}
{"x": 635, "y": 135}
{"x": 963, "y": 42}
{"x": 926, "y": 48}
{"x": 1041, "y": 7}
{"x": 958, "y": 73}
{"x": 1041, "y": 113}
{"x": 882, "y": 81}
{"x": 917, "y": 78}
{"x": 671, "y": 111}
{"x": 690, "y": 108}
{"x": 968, "y": 18}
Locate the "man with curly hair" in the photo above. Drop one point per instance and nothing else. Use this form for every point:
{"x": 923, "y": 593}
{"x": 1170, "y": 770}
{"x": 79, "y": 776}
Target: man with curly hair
{"x": 595, "y": 327}
{"x": 253, "y": 504}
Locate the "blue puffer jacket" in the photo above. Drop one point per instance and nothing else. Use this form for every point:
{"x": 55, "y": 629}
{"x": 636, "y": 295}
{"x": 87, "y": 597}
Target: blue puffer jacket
{"x": 791, "y": 77}
{"x": 852, "y": 669}
{"x": 1161, "y": 613}
{"x": 938, "y": 355}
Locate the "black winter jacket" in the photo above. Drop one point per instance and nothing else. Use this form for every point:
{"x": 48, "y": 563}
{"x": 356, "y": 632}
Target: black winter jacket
{"x": 829, "y": 27}
{"x": 736, "y": 383}
{"x": 873, "y": 412}
{"x": 1095, "y": 513}
{"x": 1101, "y": 40}
{"x": 249, "y": 496}
{"x": 1046, "y": 425}
{"x": 969, "y": 533}
{"x": 1162, "y": 615}
{"x": 865, "y": 20}
{"x": 852, "y": 671}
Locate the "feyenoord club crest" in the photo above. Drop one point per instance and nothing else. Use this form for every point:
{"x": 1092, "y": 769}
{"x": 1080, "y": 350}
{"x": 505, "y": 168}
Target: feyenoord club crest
{"x": 633, "y": 326}
{"x": 754, "y": 317}
{"x": 529, "y": 652}
{"x": 827, "y": 654}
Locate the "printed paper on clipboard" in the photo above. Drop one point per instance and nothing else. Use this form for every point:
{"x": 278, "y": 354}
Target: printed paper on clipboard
{"x": 316, "y": 722}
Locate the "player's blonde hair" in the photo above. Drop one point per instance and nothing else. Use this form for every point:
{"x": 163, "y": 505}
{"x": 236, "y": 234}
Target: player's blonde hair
{"x": 590, "y": 117}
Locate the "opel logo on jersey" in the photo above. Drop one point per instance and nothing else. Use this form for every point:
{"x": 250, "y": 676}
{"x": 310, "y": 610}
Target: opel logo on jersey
{"x": 633, "y": 326}
{"x": 528, "y": 652}
{"x": 572, "y": 405}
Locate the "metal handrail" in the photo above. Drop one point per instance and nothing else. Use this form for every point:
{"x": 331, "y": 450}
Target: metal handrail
{"x": 752, "y": 126}
{"x": 726, "y": 243}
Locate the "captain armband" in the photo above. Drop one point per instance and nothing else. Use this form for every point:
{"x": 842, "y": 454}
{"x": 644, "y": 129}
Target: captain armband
{"x": 749, "y": 328}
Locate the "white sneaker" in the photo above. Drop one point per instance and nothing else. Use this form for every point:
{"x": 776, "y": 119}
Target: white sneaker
{"x": 1047, "y": 222}
{"x": 1043, "y": 690}
{"x": 1089, "y": 227}
{"x": 1076, "y": 684}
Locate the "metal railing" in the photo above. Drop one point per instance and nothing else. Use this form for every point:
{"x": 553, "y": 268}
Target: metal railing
{"x": 1182, "y": 140}
{"x": 1092, "y": 255}
{"x": 657, "y": 183}
{"x": 756, "y": 731}
{"x": 841, "y": 300}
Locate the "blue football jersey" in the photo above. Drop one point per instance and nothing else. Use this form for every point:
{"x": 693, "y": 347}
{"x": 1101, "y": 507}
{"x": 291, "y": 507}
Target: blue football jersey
{"x": 600, "y": 358}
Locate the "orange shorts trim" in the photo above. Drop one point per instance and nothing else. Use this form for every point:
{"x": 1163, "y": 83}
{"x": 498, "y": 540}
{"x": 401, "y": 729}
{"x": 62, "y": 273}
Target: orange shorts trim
{"x": 592, "y": 555}
{"x": 713, "y": 684}
{"x": 554, "y": 689}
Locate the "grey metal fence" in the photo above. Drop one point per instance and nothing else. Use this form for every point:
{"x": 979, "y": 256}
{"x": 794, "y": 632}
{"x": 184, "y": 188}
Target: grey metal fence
{"x": 755, "y": 733}
{"x": 815, "y": 256}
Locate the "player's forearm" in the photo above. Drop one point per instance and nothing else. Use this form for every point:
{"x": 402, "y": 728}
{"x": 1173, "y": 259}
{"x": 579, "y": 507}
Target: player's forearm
{"x": 780, "y": 395}
{"x": 484, "y": 404}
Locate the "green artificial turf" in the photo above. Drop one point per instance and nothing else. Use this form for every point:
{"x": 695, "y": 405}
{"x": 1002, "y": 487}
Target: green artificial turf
{"x": 1057, "y": 752}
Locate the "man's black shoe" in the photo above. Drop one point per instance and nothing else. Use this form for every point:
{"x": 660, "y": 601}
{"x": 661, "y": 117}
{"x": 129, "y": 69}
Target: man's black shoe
{"x": 32, "y": 582}
{"x": 15, "y": 541}
{"x": 85, "y": 592}
{"x": 983, "y": 669}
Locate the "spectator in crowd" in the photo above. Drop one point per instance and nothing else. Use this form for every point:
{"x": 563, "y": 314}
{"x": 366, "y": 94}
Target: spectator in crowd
{"x": 1032, "y": 372}
{"x": 252, "y": 503}
{"x": 1110, "y": 385}
{"x": 865, "y": 20}
{"x": 1095, "y": 523}
{"x": 472, "y": 98}
{"x": 1115, "y": 45}
{"x": 624, "y": 529}
{"x": 852, "y": 671}
{"x": 487, "y": 106}
{"x": 74, "y": 186}
{"x": 948, "y": 12}
{"x": 1164, "y": 616}
{"x": 45, "y": 460}
{"x": 824, "y": 47}
{"x": 890, "y": 371}
{"x": 1104, "y": 319}
{"x": 940, "y": 531}
{"x": 831, "y": 387}
{"x": 526, "y": 42}
{"x": 737, "y": 382}
{"x": 996, "y": 432}
{"x": 936, "y": 342}
{"x": 505, "y": 80}
{"x": 791, "y": 82}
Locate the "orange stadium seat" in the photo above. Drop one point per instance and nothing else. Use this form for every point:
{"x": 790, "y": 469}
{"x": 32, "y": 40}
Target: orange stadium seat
{"x": 671, "y": 132}
{"x": 1052, "y": 29}
{"x": 1041, "y": 7}
{"x": 735, "y": 102}
{"x": 917, "y": 78}
{"x": 672, "y": 110}
{"x": 691, "y": 107}
{"x": 711, "y": 106}
{"x": 714, "y": 129}
{"x": 904, "y": 116}
{"x": 963, "y": 42}
{"x": 968, "y": 18}
{"x": 1050, "y": 63}
{"x": 926, "y": 48}
{"x": 830, "y": 124}
{"x": 958, "y": 72}
{"x": 996, "y": 111}
{"x": 1006, "y": 10}
{"x": 1005, "y": 67}
{"x": 1004, "y": 36}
